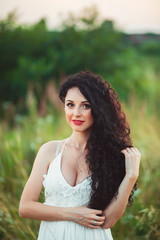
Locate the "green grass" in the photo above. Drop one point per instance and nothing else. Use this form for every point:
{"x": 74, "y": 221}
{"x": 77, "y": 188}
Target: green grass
{"x": 141, "y": 221}
{"x": 20, "y": 144}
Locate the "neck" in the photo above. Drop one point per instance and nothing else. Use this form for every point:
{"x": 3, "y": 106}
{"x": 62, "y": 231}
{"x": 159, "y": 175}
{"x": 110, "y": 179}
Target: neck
{"x": 79, "y": 140}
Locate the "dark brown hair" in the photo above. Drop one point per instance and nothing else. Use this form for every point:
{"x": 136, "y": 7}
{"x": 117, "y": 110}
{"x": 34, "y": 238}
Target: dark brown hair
{"x": 110, "y": 134}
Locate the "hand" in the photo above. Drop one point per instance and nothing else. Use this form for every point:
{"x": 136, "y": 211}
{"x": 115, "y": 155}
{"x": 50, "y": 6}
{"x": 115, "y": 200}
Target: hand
{"x": 132, "y": 161}
{"x": 88, "y": 217}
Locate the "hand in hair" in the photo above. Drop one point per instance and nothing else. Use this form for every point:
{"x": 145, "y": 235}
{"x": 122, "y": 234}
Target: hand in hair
{"x": 116, "y": 208}
{"x": 132, "y": 161}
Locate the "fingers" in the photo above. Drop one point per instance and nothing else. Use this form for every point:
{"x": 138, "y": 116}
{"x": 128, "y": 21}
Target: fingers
{"x": 92, "y": 226}
{"x": 131, "y": 152}
{"x": 97, "y": 212}
{"x": 132, "y": 161}
{"x": 97, "y": 218}
{"x": 96, "y": 221}
{"x": 92, "y": 218}
{"x": 96, "y": 224}
{"x": 128, "y": 150}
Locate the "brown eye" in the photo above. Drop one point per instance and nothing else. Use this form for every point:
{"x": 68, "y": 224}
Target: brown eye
{"x": 70, "y": 104}
{"x": 86, "y": 106}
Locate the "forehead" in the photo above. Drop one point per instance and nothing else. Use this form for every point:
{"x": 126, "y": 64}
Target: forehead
{"x": 74, "y": 94}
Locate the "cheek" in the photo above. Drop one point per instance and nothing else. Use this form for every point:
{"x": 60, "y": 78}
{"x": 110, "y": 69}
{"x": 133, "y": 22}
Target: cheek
{"x": 89, "y": 116}
{"x": 68, "y": 113}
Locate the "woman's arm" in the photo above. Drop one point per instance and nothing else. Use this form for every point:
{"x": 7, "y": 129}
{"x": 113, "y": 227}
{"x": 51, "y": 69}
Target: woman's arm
{"x": 30, "y": 207}
{"x": 117, "y": 206}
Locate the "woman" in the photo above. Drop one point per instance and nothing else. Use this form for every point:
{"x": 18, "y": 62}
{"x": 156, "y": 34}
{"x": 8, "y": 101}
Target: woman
{"x": 89, "y": 177}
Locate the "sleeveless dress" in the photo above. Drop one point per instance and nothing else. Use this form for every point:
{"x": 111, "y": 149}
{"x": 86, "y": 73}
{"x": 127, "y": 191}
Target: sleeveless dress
{"x": 58, "y": 192}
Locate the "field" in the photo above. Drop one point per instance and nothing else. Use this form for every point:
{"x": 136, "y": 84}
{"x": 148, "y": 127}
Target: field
{"x": 20, "y": 143}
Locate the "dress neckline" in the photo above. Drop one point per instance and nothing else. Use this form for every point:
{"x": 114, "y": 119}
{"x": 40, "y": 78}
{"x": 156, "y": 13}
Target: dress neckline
{"x": 77, "y": 185}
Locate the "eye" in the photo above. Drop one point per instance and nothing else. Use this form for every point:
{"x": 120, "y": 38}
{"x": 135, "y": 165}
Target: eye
{"x": 86, "y": 106}
{"x": 70, "y": 104}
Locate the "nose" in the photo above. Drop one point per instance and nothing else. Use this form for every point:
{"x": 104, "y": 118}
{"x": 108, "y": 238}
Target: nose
{"x": 77, "y": 111}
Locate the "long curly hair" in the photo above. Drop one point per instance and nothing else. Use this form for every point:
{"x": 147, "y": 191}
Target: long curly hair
{"x": 110, "y": 134}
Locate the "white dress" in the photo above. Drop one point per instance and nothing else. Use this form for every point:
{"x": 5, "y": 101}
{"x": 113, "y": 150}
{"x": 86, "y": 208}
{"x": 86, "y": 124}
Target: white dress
{"x": 58, "y": 192}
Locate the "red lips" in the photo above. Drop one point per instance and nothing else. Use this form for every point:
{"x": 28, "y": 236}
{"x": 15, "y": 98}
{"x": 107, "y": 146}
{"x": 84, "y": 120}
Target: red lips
{"x": 77, "y": 122}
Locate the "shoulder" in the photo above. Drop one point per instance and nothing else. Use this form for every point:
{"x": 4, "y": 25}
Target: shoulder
{"x": 46, "y": 154}
{"x": 49, "y": 148}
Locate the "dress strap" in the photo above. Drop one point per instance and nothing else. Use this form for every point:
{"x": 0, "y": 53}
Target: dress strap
{"x": 57, "y": 149}
{"x": 64, "y": 145}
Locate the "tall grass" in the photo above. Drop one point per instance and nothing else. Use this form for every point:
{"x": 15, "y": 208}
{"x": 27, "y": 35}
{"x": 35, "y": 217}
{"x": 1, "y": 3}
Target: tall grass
{"x": 141, "y": 221}
{"x": 20, "y": 144}
{"x": 18, "y": 148}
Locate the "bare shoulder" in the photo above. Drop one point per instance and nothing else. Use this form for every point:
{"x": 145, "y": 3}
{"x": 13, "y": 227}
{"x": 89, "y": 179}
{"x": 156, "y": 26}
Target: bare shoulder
{"x": 45, "y": 156}
{"x": 47, "y": 150}
{"x": 51, "y": 146}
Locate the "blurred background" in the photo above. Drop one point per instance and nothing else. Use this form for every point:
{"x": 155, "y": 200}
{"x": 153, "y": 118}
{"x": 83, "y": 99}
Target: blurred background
{"x": 41, "y": 43}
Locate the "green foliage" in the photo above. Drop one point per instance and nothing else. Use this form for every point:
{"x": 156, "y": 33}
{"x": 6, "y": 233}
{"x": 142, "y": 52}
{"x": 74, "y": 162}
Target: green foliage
{"x": 148, "y": 223}
{"x": 141, "y": 221}
{"x": 33, "y": 55}
{"x": 151, "y": 47}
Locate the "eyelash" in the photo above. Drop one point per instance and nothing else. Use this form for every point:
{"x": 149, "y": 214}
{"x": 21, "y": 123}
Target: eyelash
{"x": 88, "y": 106}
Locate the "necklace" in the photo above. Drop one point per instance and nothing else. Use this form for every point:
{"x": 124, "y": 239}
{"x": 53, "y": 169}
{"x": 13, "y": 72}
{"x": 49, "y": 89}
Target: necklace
{"x": 81, "y": 153}
{"x": 81, "y": 165}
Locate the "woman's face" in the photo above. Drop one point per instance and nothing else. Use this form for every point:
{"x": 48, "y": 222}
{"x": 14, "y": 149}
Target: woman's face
{"x": 78, "y": 110}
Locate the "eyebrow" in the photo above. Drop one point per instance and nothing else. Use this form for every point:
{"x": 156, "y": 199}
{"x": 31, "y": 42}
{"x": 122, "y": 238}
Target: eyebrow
{"x": 72, "y": 101}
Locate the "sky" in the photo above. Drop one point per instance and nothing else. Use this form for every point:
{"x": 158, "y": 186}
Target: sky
{"x": 132, "y": 16}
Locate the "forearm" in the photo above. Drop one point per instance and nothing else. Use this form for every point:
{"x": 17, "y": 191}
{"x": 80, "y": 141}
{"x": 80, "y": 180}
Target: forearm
{"x": 81, "y": 215}
{"x": 39, "y": 211}
{"x": 124, "y": 190}
{"x": 118, "y": 204}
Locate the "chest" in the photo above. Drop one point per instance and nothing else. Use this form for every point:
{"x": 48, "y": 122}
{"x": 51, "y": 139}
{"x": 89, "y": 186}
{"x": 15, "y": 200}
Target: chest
{"x": 58, "y": 192}
{"x": 74, "y": 168}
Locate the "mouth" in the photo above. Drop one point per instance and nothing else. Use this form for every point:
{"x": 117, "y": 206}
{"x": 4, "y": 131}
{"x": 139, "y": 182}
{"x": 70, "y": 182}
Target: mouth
{"x": 77, "y": 122}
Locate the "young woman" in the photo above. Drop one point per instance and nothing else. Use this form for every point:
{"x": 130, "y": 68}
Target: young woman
{"x": 89, "y": 177}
